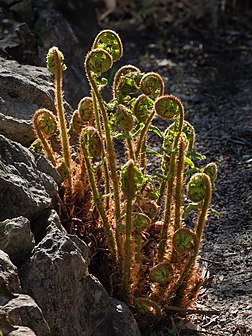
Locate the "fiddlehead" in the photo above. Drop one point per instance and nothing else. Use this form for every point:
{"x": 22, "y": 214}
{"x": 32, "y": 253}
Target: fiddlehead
{"x": 54, "y": 63}
{"x": 184, "y": 241}
{"x": 140, "y": 223}
{"x": 93, "y": 141}
{"x": 86, "y": 110}
{"x": 211, "y": 170}
{"x": 126, "y": 81}
{"x": 98, "y": 61}
{"x": 152, "y": 84}
{"x": 124, "y": 119}
{"x": 45, "y": 125}
{"x": 143, "y": 108}
{"x": 161, "y": 273}
{"x": 148, "y": 308}
{"x": 110, "y": 41}
{"x": 76, "y": 123}
{"x": 169, "y": 107}
{"x": 199, "y": 190}
{"x": 196, "y": 188}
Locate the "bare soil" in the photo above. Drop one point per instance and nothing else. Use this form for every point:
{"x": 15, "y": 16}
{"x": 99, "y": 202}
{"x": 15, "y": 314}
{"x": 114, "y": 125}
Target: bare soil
{"x": 213, "y": 77}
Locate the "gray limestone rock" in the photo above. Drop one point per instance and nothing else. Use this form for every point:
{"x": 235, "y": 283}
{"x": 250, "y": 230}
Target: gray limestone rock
{"x": 56, "y": 31}
{"x": 9, "y": 284}
{"x": 22, "y": 331}
{"x": 7, "y": 2}
{"x": 5, "y": 323}
{"x": 16, "y": 239}
{"x": 82, "y": 16}
{"x": 57, "y": 295}
{"x": 23, "y": 9}
{"x": 17, "y": 309}
{"x": 46, "y": 222}
{"x": 23, "y": 89}
{"x": 18, "y": 42}
{"x": 9, "y": 280}
{"x": 73, "y": 301}
{"x": 70, "y": 300}
{"x": 102, "y": 315}
{"x": 22, "y": 310}
{"x": 23, "y": 188}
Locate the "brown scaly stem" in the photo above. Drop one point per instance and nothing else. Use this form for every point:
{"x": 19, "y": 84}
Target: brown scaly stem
{"x": 141, "y": 146}
{"x": 104, "y": 160}
{"x": 130, "y": 147}
{"x": 181, "y": 285}
{"x": 179, "y": 186}
{"x": 143, "y": 157}
{"x": 169, "y": 107}
{"x": 120, "y": 88}
{"x": 189, "y": 134}
{"x": 129, "y": 193}
{"x": 57, "y": 60}
{"x": 144, "y": 111}
{"x": 110, "y": 149}
{"x": 186, "y": 274}
{"x": 137, "y": 247}
{"x": 109, "y": 143}
{"x": 199, "y": 190}
{"x": 96, "y": 196}
{"x": 152, "y": 85}
{"x": 178, "y": 194}
{"x": 161, "y": 192}
{"x": 168, "y": 206}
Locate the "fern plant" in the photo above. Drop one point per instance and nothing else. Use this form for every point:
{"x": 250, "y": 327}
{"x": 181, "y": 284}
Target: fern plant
{"x": 116, "y": 203}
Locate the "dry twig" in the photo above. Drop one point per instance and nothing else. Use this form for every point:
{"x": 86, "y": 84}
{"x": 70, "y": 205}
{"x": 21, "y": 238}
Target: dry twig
{"x": 192, "y": 311}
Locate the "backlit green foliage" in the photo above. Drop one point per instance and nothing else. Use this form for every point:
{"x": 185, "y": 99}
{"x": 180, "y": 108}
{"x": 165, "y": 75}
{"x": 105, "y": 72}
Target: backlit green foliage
{"x": 133, "y": 211}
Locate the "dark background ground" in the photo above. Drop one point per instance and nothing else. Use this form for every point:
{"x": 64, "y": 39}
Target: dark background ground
{"x": 204, "y": 54}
